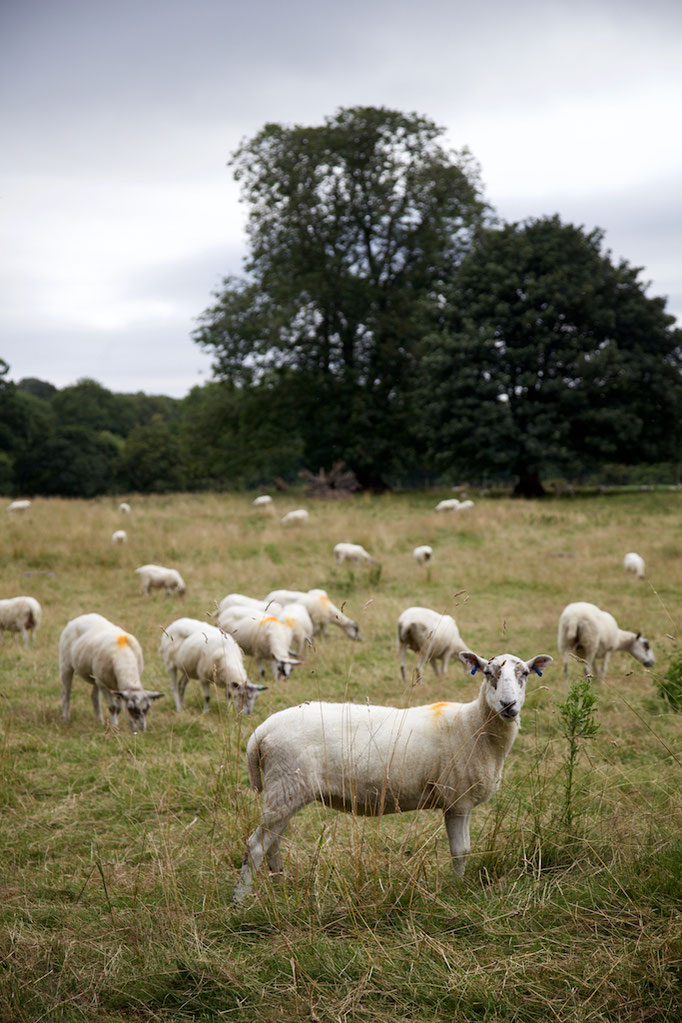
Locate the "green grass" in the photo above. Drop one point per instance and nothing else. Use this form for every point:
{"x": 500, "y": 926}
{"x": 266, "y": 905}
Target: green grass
{"x": 118, "y": 853}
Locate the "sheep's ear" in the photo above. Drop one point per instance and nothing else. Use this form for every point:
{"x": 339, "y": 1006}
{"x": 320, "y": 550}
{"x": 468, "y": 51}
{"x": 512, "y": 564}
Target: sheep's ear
{"x": 261, "y": 688}
{"x": 294, "y": 660}
{"x": 539, "y": 663}
{"x": 472, "y": 662}
{"x": 152, "y": 695}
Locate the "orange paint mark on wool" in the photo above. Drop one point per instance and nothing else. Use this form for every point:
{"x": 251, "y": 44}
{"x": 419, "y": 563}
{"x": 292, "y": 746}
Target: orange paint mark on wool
{"x": 270, "y": 618}
{"x": 325, "y": 598}
{"x": 122, "y": 640}
{"x": 438, "y": 708}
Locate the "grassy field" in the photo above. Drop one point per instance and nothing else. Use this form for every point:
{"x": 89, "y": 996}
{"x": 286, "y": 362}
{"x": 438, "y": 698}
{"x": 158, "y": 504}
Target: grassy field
{"x": 118, "y": 853}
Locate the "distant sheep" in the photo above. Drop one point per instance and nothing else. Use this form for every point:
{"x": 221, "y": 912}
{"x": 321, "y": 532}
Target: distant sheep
{"x": 111, "y": 661}
{"x": 193, "y": 649}
{"x": 371, "y": 760}
{"x": 320, "y": 608}
{"x": 18, "y": 506}
{"x": 156, "y": 577}
{"x": 590, "y": 633}
{"x": 354, "y": 553}
{"x": 293, "y": 518}
{"x": 124, "y": 508}
{"x": 20, "y": 615}
{"x": 634, "y": 563}
{"x": 118, "y": 537}
{"x": 264, "y": 637}
{"x": 423, "y": 555}
{"x": 264, "y": 501}
{"x": 433, "y": 636}
{"x": 272, "y": 607}
{"x": 450, "y": 504}
{"x": 463, "y": 505}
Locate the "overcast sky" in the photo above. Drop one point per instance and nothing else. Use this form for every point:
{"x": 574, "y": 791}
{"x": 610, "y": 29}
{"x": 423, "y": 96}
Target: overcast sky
{"x": 120, "y": 217}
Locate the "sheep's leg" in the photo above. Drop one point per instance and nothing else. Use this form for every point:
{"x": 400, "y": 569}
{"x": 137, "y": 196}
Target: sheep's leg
{"x": 421, "y": 661}
{"x": 24, "y": 636}
{"x": 567, "y": 658}
{"x": 67, "y": 679}
{"x": 444, "y": 665}
{"x": 261, "y": 669}
{"x": 206, "y": 690}
{"x": 96, "y": 698}
{"x": 173, "y": 679}
{"x": 604, "y": 665}
{"x": 403, "y": 662}
{"x": 457, "y": 826}
{"x": 258, "y": 846}
{"x": 114, "y": 708}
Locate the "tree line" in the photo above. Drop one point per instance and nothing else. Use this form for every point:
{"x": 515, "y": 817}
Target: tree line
{"x": 386, "y": 318}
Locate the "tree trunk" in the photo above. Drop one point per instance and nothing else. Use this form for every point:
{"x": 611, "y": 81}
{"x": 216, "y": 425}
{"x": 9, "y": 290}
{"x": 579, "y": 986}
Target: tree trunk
{"x": 529, "y": 485}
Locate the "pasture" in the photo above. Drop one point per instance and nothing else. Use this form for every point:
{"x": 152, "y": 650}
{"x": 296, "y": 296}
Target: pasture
{"x": 119, "y": 852}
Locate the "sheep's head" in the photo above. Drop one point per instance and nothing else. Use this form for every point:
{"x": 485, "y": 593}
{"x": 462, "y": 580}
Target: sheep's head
{"x": 137, "y": 702}
{"x": 284, "y": 667}
{"x": 352, "y": 629}
{"x": 641, "y": 649}
{"x": 505, "y": 677}
{"x": 244, "y": 695}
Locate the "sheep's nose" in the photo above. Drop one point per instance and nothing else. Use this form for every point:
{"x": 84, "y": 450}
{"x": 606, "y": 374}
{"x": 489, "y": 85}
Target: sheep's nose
{"x": 509, "y": 709}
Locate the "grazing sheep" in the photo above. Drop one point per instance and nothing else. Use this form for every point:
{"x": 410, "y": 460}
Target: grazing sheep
{"x": 450, "y": 504}
{"x": 111, "y": 661}
{"x": 20, "y": 614}
{"x": 423, "y": 555}
{"x": 463, "y": 505}
{"x": 272, "y": 607}
{"x": 193, "y": 649}
{"x": 435, "y": 637}
{"x": 264, "y": 637}
{"x": 294, "y": 518}
{"x": 124, "y": 508}
{"x": 156, "y": 577}
{"x": 372, "y": 760}
{"x": 18, "y": 506}
{"x": 264, "y": 501}
{"x": 591, "y": 633}
{"x": 353, "y": 552}
{"x": 634, "y": 563}
{"x": 296, "y": 616}
{"x": 119, "y": 536}
{"x": 320, "y": 608}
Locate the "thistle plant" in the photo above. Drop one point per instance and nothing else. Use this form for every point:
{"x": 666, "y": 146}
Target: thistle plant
{"x": 577, "y": 715}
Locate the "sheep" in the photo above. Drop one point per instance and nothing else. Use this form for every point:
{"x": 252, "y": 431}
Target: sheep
{"x": 435, "y": 637}
{"x": 156, "y": 577}
{"x": 353, "y": 552}
{"x": 463, "y": 505}
{"x": 296, "y": 616}
{"x": 264, "y": 637}
{"x": 20, "y": 614}
{"x": 448, "y": 505}
{"x": 295, "y": 518}
{"x": 272, "y": 607}
{"x": 18, "y": 506}
{"x": 371, "y": 760}
{"x": 264, "y": 501}
{"x": 119, "y": 536}
{"x": 591, "y": 633}
{"x": 423, "y": 555}
{"x": 320, "y": 608}
{"x": 124, "y": 508}
{"x": 195, "y": 649}
{"x": 111, "y": 661}
{"x": 634, "y": 563}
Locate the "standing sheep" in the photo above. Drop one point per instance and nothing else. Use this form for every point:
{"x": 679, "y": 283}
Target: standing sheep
{"x": 118, "y": 537}
{"x": 111, "y": 661}
{"x": 423, "y": 555}
{"x": 371, "y": 760}
{"x": 435, "y": 637}
{"x": 634, "y": 563}
{"x": 264, "y": 501}
{"x": 264, "y": 637}
{"x": 354, "y": 553}
{"x": 18, "y": 506}
{"x": 20, "y": 614}
{"x": 449, "y": 504}
{"x": 590, "y": 633}
{"x": 124, "y": 508}
{"x": 156, "y": 577}
{"x": 320, "y": 608}
{"x": 193, "y": 649}
{"x": 298, "y": 517}
{"x": 241, "y": 600}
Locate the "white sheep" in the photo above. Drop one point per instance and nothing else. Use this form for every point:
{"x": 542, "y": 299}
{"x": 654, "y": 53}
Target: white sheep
{"x": 124, "y": 508}
{"x": 156, "y": 577}
{"x": 193, "y": 649}
{"x": 590, "y": 633}
{"x": 450, "y": 504}
{"x": 353, "y": 552}
{"x": 18, "y": 506}
{"x": 264, "y": 501}
{"x": 372, "y": 760}
{"x": 272, "y": 607}
{"x": 295, "y": 518}
{"x": 435, "y": 637}
{"x": 119, "y": 536}
{"x": 111, "y": 661}
{"x": 463, "y": 505}
{"x": 634, "y": 563}
{"x": 296, "y": 616}
{"x": 320, "y": 608}
{"x": 264, "y": 637}
{"x": 20, "y": 615}
{"x": 423, "y": 555}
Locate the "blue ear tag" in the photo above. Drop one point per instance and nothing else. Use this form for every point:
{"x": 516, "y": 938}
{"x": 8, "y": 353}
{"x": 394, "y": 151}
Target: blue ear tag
{"x": 475, "y": 669}
{"x": 537, "y": 671}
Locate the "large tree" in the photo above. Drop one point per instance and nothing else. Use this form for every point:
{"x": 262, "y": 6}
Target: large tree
{"x": 548, "y": 355}
{"x": 352, "y": 225}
